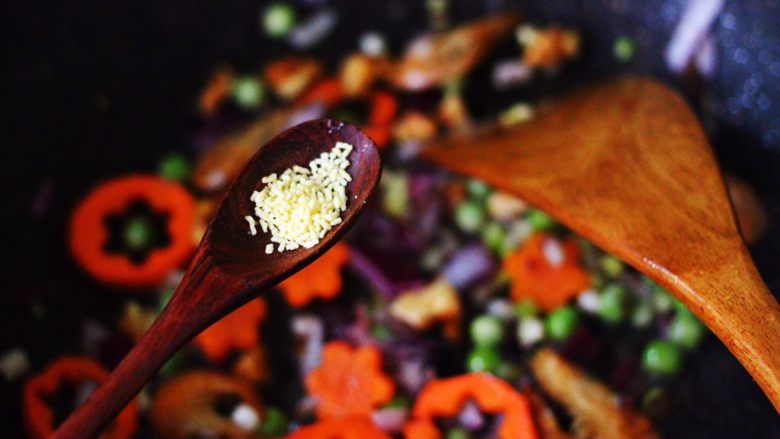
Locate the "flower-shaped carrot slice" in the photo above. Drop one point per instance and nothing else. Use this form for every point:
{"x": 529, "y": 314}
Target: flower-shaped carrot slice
{"x": 349, "y": 381}
{"x": 69, "y": 372}
{"x": 321, "y": 279}
{"x": 89, "y": 233}
{"x": 547, "y": 271}
{"x": 238, "y": 330}
{"x": 350, "y": 427}
{"x": 446, "y": 397}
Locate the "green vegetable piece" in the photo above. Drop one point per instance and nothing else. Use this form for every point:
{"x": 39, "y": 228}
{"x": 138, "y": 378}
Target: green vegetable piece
{"x": 458, "y": 433}
{"x": 278, "y": 19}
{"x": 613, "y": 303}
{"x": 248, "y": 92}
{"x": 526, "y": 308}
{"x": 382, "y": 332}
{"x": 483, "y": 359}
{"x": 274, "y": 423}
{"x": 494, "y": 237}
{"x": 175, "y": 167}
{"x": 139, "y": 233}
{"x": 398, "y": 401}
{"x": 642, "y": 316}
{"x": 561, "y": 323}
{"x": 395, "y": 193}
{"x": 469, "y": 216}
{"x": 662, "y": 301}
{"x": 478, "y": 189}
{"x": 623, "y": 49}
{"x": 661, "y": 357}
{"x": 540, "y": 221}
{"x": 612, "y": 266}
{"x": 486, "y": 331}
{"x": 686, "y": 331}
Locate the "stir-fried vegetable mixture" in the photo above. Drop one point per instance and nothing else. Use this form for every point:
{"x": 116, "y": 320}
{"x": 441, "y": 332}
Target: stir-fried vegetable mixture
{"x": 452, "y": 310}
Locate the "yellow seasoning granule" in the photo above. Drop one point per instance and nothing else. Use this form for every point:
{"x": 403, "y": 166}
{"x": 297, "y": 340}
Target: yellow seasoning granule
{"x": 300, "y": 206}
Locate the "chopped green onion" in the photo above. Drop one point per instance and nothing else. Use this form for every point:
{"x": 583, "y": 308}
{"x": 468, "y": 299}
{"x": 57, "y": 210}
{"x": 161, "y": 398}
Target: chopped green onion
{"x": 278, "y": 19}
{"x": 247, "y": 92}
{"x": 486, "y": 331}
{"x": 561, "y": 323}
{"x": 662, "y": 301}
{"x": 274, "y": 423}
{"x": 139, "y": 233}
{"x": 483, "y": 359}
{"x": 642, "y": 316}
{"x": 623, "y": 49}
{"x": 469, "y": 216}
{"x": 613, "y": 303}
{"x": 530, "y": 331}
{"x": 685, "y": 330}
{"x": 398, "y": 401}
{"x": 539, "y": 220}
{"x": 395, "y": 200}
{"x": 661, "y": 357}
{"x": 612, "y": 266}
{"x": 175, "y": 167}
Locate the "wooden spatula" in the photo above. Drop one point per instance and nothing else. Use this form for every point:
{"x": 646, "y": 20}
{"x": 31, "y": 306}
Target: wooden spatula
{"x": 627, "y": 166}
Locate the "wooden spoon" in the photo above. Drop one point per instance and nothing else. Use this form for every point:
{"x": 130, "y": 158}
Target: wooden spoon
{"x": 230, "y": 267}
{"x": 627, "y": 166}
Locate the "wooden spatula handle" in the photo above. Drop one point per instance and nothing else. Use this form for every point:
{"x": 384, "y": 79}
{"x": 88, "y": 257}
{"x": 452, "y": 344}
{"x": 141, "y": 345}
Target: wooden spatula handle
{"x": 744, "y": 315}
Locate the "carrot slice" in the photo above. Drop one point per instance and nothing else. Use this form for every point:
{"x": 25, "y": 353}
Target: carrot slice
{"x": 321, "y": 279}
{"x": 446, "y": 397}
{"x": 69, "y": 371}
{"x": 238, "y": 330}
{"x": 349, "y": 381}
{"x": 551, "y": 280}
{"x": 349, "y": 427}
{"x": 89, "y": 234}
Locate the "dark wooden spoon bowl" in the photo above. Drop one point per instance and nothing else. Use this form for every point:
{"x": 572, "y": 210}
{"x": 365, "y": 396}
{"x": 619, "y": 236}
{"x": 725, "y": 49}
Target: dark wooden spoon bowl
{"x": 230, "y": 267}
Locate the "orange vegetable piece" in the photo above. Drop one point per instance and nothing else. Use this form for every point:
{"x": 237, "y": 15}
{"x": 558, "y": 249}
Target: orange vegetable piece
{"x": 349, "y": 381}
{"x": 550, "y": 284}
{"x": 349, "y": 427}
{"x": 321, "y": 279}
{"x": 89, "y": 234}
{"x": 446, "y": 397}
{"x": 384, "y": 108}
{"x": 236, "y": 331}
{"x": 217, "y": 90}
{"x": 72, "y": 371}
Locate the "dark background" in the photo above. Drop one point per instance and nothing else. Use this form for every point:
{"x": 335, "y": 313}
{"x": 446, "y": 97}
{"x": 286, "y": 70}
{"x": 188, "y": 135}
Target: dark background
{"x": 92, "y": 89}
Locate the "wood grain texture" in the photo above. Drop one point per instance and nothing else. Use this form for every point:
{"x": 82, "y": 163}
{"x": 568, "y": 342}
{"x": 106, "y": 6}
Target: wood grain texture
{"x": 230, "y": 267}
{"x": 627, "y": 166}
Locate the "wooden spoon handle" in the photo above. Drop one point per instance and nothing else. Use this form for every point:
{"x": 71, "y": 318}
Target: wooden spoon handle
{"x": 183, "y": 318}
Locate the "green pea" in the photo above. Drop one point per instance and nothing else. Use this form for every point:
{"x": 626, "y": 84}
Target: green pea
{"x": 613, "y": 303}
{"x": 642, "y": 316}
{"x": 248, "y": 92}
{"x": 469, "y": 216}
{"x": 483, "y": 359}
{"x": 539, "y": 220}
{"x": 685, "y": 330}
{"x": 661, "y": 357}
{"x": 139, "y": 233}
{"x": 278, "y": 19}
{"x": 486, "y": 331}
{"x": 526, "y": 308}
{"x": 458, "y": 433}
{"x": 274, "y": 423}
{"x": 175, "y": 167}
{"x": 478, "y": 189}
{"x": 623, "y": 49}
{"x": 612, "y": 266}
{"x": 561, "y": 323}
